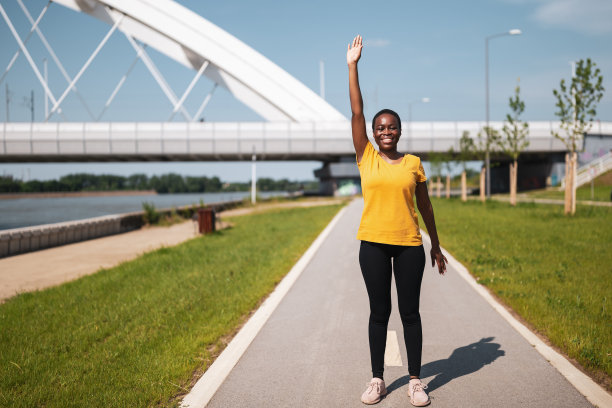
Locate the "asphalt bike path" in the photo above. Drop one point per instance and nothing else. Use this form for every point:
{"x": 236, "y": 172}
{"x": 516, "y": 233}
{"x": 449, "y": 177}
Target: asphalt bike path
{"x": 313, "y": 350}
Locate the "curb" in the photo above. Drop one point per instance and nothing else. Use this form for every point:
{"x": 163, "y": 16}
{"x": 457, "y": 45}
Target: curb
{"x": 215, "y": 375}
{"x": 592, "y": 391}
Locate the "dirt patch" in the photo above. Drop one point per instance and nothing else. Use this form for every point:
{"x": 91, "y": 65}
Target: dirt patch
{"x": 604, "y": 180}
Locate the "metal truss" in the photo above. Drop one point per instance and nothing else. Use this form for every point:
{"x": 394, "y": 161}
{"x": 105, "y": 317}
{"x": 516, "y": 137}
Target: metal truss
{"x": 165, "y": 87}
{"x": 25, "y": 52}
{"x": 157, "y": 75}
{"x": 25, "y": 41}
{"x": 54, "y": 56}
{"x": 85, "y": 66}
{"x": 141, "y": 54}
{"x": 197, "y": 76}
{"x": 205, "y": 102}
{"x": 120, "y": 84}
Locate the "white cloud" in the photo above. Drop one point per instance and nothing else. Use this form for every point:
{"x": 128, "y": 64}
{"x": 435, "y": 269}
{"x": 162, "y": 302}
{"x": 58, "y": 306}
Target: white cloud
{"x": 377, "y": 42}
{"x": 592, "y": 17}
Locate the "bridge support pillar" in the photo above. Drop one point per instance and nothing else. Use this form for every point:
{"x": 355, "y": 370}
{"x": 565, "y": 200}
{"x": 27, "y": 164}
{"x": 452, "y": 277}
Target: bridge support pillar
{"x": 533, "y": 173}
{"x": 339, "y": 178}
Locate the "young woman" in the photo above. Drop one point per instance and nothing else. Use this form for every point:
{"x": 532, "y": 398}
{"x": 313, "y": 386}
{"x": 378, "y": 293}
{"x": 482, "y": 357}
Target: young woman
{"x": 389, "y": 234}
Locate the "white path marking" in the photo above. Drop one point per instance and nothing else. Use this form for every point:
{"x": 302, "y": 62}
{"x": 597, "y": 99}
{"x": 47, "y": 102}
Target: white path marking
{"x": 596, "y": 394}
{"x": 212, "y": 379}
{"x": 393, "y": 358}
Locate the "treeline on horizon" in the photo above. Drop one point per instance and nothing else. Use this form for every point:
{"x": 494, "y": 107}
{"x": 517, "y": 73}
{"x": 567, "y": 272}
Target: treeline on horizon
{"x": 167, "y": 183}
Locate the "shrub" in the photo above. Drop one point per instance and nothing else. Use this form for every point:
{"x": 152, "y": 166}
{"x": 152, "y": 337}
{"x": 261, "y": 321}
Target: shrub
{"x": 150, "y": 216}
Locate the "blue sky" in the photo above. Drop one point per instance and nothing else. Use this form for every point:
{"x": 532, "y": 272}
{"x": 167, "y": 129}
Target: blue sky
{"x": 414, "y": 49}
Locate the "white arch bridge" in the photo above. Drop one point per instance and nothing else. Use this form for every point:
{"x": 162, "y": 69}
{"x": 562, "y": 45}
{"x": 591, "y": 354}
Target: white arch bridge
{"x": 190, "y": 40}
{"x": 300, "y": 125}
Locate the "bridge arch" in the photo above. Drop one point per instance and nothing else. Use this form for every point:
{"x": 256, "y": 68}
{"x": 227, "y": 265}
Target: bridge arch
{"x": 199, "y": 44}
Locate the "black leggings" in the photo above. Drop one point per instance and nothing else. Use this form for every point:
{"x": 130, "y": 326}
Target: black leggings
{"x": 408, "y": 266}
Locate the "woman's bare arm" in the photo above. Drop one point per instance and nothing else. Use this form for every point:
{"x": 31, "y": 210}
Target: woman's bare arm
{"x": 360, "y": 138}
{"x": 426, "y": 210}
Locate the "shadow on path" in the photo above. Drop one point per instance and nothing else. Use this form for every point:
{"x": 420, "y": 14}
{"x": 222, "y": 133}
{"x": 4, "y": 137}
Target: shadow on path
{"x": 462, "y": 361}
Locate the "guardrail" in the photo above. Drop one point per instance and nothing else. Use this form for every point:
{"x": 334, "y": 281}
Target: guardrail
{"x": 592, "y": 169}
{"x": 222, "y": 141}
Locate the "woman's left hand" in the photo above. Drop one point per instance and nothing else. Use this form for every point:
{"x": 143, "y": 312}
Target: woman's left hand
{"x": 436, "y": 256}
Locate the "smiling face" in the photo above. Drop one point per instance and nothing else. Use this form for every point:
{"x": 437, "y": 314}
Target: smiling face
{"x": 387, "y": 132}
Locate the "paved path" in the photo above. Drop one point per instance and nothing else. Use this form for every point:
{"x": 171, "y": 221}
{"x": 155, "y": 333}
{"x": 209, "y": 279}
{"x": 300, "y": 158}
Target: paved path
{"x": 313, "y": 351}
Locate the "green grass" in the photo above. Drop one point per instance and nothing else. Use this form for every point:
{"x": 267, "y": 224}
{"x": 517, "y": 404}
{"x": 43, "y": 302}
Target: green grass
{"x": 602, "y": 187}
{"x": 600, "y": 193}
{"x": 135, "y": 335}
{"x": 553, "y": 270}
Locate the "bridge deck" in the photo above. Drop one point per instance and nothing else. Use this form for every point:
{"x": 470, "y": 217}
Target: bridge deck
{"x": 168, "y": 141}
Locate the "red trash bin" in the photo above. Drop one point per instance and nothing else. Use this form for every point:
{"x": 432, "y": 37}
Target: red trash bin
{"x": 206, "y": 220}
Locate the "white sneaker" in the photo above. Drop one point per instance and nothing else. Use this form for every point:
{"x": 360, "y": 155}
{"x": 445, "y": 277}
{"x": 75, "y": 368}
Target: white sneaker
{"x": 417, "y": 394}
{"x": 375, "y": 391}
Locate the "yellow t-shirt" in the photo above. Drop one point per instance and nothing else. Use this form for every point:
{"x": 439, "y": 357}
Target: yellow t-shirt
{"x": 388, "y": 192}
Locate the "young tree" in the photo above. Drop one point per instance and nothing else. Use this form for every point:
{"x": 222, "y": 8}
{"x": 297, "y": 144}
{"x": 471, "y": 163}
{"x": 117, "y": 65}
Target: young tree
{"x": 481, "y": 146}
{"x": 515, "y": 140}
{"x": 435, "y": 163}
{"x": 447, "y": 163}
{"x": 466, "y": 152}
{"x": 576, "y": 110}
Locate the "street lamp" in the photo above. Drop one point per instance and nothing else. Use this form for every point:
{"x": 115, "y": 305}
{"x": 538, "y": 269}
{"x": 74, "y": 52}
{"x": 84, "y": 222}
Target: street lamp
{"x": 410, "y": 103}
{"x": 514, "y": 31}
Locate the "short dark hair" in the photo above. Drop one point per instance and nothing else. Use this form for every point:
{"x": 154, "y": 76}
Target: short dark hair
{"x": 390, "y": 112}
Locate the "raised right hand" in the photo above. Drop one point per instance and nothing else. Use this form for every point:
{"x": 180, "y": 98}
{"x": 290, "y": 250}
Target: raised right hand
{"x": 354, "y": 50}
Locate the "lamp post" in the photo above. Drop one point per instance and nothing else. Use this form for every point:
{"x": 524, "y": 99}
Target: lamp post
{"x": 514, "y": 31}
{"x": 253, "y": 178}
{"x": 410, "y": 103}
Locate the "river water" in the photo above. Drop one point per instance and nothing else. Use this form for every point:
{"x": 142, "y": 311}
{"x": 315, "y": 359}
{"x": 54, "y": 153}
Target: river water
{"x": 25, "y": 212}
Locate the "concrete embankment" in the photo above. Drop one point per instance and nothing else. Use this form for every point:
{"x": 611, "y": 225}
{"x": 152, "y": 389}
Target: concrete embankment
{"x": 27, "y": 239}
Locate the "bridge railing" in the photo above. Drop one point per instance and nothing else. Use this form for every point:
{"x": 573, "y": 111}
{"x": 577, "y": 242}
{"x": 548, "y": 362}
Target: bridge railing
{"x": 234, "y": 140}
{"x": 592, "y": 170}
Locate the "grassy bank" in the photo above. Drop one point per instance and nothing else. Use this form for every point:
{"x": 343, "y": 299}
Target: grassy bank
{"x": 600, "y": 193}
{"x": 553, "y": 270}
{"x": 602, "y": 187}
{"x": 135, "y": 335}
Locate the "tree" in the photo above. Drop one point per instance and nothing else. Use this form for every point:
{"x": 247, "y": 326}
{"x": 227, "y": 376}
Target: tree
{"x": 33, "y": 186}
{"x": 76, "y": 182}
{"x": 515, "y": 140}
{"x": 138, "y": 181}
{"x": 174, "y": 183}
{"x": 576, "y": 110}
{"x": 8, "y": 185}
{"x": 447, "y": 163}
{"x": 435, "y": 163}
{"x": 466, "y": 152}
{"x": 482, "y": 145}
{"x": 212, "y": 184}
